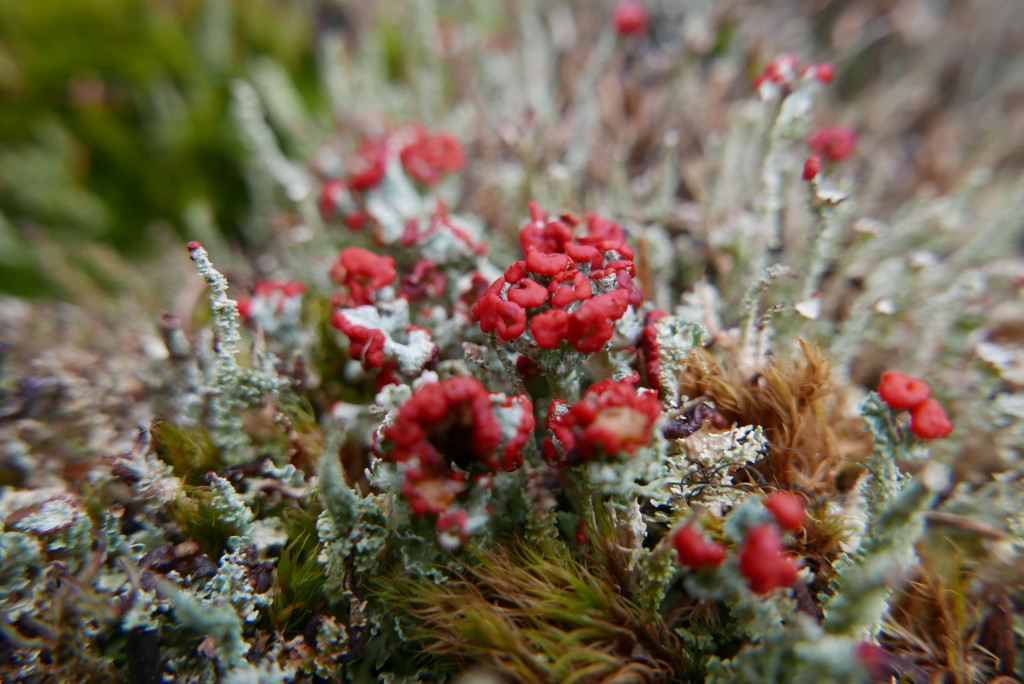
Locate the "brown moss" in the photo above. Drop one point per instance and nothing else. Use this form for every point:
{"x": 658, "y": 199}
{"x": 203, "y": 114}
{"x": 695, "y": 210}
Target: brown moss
{"x": 796, "y": 404}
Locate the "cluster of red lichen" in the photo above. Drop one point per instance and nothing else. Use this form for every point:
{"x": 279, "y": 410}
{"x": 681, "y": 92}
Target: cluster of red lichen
{"x": 423, "y": 156}
{"x": 270, "y": 295}
{"x": 447, "y": 431}
{"x": 613, "y": 417}
{"x": 568, "y": 288}
{"x": 762, "y": 559}
{"x": 833, "y": 143}
{"x": 783, "y": 71}
{"x": 361, "y": 272}
{"x": 928, "y": 420}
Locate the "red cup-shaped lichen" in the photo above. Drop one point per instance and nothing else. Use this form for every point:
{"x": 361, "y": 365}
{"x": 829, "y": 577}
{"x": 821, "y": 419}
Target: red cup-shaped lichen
{"x": 613, "y": 417}
{"x": 694, "y": 550}
{"x": 428, "y": 156}
{"x": 903, "y": 391}
{"x": 763, "y": 562}
{"x": 928, "y": 420}
{"x": 787, "y": 508}
{"x": 363, "y": 272}
{"x": 454, "y": 421}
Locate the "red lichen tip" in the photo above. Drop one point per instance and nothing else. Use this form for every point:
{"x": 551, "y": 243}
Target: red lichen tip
{"x": 874, "y": 659}
{"x": 787, "y": 508}
{"x": 194, "y": 245}
{"x": 763, "y": 562}
{"x": 812, "y": 167}
{"x": 929, "y": 421}
{"x": 581, "y": 533}
{"x": 825, "y": 72}
{"x": 903, "y": 391}
{"x": 630, "y": 18}
{"x": 695, "y": 551}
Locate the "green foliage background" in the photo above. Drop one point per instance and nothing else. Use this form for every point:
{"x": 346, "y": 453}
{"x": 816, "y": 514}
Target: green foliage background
{"x": 115, "y": 119}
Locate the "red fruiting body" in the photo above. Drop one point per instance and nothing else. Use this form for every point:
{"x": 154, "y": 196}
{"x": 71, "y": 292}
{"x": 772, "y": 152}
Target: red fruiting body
{"x": 194, "y": 245}
{"x": 903, "y": 391}
{"x": 549, "y": 328}
{"x": 650, "y": 353}
{"x": 454, "y": 521}
{"x": 928, "y": 420}
{"x": 527, "y": 293}
{"x": 286, "y": 288}
{"x": 363, "y": 272}
{"x": 561, "y": 273}
{"x": 388, "y": 375}
{"x": 763, "y": 562}
{"x": 334, "y": 197}
{"x": 431, "y": 493}
{"x": 453, "y": 421}
{"x": 507, "y": 319}
{"x": 370, "y": 165}
{"x": 593, "y": 324}
{"x": 512, "y": 454}
{"x": 244, "y": 306}
{"x": 611, "y": 418}
{"x": 527, "y": 367}
{"x": 425, "y": 281}
{"x": 447, "y": 425}
{"x": 787, "y": 508}
{"x": 442, "y": 219}
{"x": 812, "y": 167}
{"x": 630, "y": 18}
{"x": 568, "y": 287}
{"x": 695, "y": 551}
{"x": 875, "y": 660}
{"x": 430, "y": 155}
{"x": 581, "y": 533}
{"x": 546, "y": 264}
{"x": 367, "y": 343}
{"x": 825, "y": 72}
{"x": 781, "y": 71}
{"x": 834, "y": 143}
{"x": 329, "y": 196}
{"x": 272, "y": 292}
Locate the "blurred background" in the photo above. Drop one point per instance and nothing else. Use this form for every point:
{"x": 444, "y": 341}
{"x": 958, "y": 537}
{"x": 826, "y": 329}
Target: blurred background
{"x": 118, "y": 141}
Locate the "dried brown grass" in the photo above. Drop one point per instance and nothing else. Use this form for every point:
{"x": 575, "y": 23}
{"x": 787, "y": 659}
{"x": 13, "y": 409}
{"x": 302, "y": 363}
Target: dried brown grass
{"x": 797, "y": 405}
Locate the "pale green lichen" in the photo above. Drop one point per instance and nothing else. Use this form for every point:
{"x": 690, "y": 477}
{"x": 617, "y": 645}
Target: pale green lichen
{"x": 862, "y": 585}
{"x": 230, "y": 506}
{"x": 21, "y": 557}
{"x": 230, "y": 387}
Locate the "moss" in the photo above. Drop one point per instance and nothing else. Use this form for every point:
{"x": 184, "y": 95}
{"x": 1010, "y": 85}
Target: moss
{"x": 190, "y": 452}
{"x": 299, "y": 574}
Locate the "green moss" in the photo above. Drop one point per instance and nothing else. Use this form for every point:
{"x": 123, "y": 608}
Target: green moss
{"x": 190, "y": 453}
{"x": 300, "y": 576}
